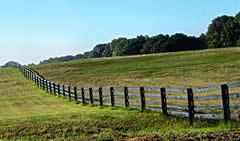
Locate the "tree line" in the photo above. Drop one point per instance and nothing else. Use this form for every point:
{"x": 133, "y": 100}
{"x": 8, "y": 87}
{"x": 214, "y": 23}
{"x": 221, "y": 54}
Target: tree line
{"x": 224, "y": 31}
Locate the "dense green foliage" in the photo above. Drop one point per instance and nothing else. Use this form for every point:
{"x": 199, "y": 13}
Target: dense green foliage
{"x": 224, "y": 31}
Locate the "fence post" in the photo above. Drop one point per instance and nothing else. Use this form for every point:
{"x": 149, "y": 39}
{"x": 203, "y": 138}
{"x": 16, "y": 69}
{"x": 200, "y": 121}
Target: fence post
{"x": 126, "y": 96}
{"x": 59, "y": 92}
{"x": 44, "y": 84}
{"x": 40, "y": 81}
{"x": 47, "y": 86}
{"x": 83, "y": 98}
{"x": 91, "y": 95}
{"x": 142, "y": 94}
{"x": 35, "y": 78}
{"x": 32, "y": 75}
{"x": 27, "y": 74}
{"x": 75, "y": 94}
{"x": 225, "y": 101}
{"x": 190, "y": 105}
{"x": 54, "y": 88}
{"x": 50, "y": 86}
{"x": 64, "y": 94}
{"x": 37, "y": 81}
{"x": 100, "y": 97}
{"x": 69, "y": 92}
{"x": 164, "y": 101}
{"x": 112, "y": 96}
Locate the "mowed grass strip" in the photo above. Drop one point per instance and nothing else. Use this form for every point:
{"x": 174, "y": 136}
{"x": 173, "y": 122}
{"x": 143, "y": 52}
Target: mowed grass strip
{"x": 27, "y": 112}
{"x": 178, "y": 69}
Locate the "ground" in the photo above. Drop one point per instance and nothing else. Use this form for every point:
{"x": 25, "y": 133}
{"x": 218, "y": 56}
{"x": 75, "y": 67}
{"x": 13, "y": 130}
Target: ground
{"x": 27, "y": 112}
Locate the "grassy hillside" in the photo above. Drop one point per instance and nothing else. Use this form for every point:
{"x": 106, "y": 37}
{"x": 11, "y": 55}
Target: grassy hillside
{"x": 28, "y": 112}
{"x": 180, "y": 69}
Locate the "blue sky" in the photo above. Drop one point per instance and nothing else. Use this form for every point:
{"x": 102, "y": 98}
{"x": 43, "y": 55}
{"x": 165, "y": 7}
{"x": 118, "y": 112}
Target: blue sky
{"x": 33, "y": 30}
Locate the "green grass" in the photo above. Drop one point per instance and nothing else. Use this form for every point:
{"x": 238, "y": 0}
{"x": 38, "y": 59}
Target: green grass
{"x": 27, "y": 112}
{"x": 185, "y": 69}
{"x": 178, "y": 69}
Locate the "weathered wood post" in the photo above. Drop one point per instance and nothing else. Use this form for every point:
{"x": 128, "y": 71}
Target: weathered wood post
{"x": 27, "y": 74}
{"x": 64, "y": 94}
{"x": 190, "y": 105}
{"x": 164, "y": 101}
{"x": 50, "y": 86}
{"x": 91, "y": 95}
{"x": 75, "y": 94}
{"x": 100, "y": 97}
{"x": 225, "y": 101}
{"x": 34, "y": 78}
{"x": 59, "y": 92}
{"x": 142, "y": 94}
{"x": 43, "y": 84}
{"x": 54, "y": 88}
{"x": 47, "y": 87}
{"x": 32, "y": 75}
{"x": 39, "y": 81}
{"x": 69, "y": 92}
{"x": 83, "y": 97}
{"x": 126, "y": 97}
{"x": 112, "y": 96}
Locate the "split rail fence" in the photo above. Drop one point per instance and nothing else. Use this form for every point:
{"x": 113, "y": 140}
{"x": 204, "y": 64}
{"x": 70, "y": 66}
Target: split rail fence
{"x": 151, "y": 98}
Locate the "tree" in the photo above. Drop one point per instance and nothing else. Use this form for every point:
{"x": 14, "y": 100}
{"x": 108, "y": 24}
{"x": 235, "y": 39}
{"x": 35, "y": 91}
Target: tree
{"x": 86, "y": 55}
{"x": 79, "y": 56}
{"x": 119, "y": 46}
{"x": 237, "y": 17}
{"x": 97, "y": 51}
{"x": 222, "y": 32}
{"x": 107, "y": 51}
{"x": 155, "y": 44}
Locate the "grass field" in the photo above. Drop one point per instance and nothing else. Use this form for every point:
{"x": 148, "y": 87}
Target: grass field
{"x": 27, "y": 112}
{"x": 179, "y": 69}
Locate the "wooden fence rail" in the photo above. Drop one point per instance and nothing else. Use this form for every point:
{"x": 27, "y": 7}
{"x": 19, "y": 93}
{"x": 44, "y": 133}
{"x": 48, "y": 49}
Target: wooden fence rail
{"x": 142, "y": 99}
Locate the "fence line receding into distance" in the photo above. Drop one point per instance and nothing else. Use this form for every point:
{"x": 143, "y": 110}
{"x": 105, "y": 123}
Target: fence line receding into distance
{"x": 151, "y": 98}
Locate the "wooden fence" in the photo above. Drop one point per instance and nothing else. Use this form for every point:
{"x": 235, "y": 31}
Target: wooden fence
{"x": 151, "y": 98}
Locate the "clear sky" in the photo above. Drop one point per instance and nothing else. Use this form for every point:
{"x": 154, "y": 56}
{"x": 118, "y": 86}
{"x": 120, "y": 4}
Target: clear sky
{"x": 33, "y": 30}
